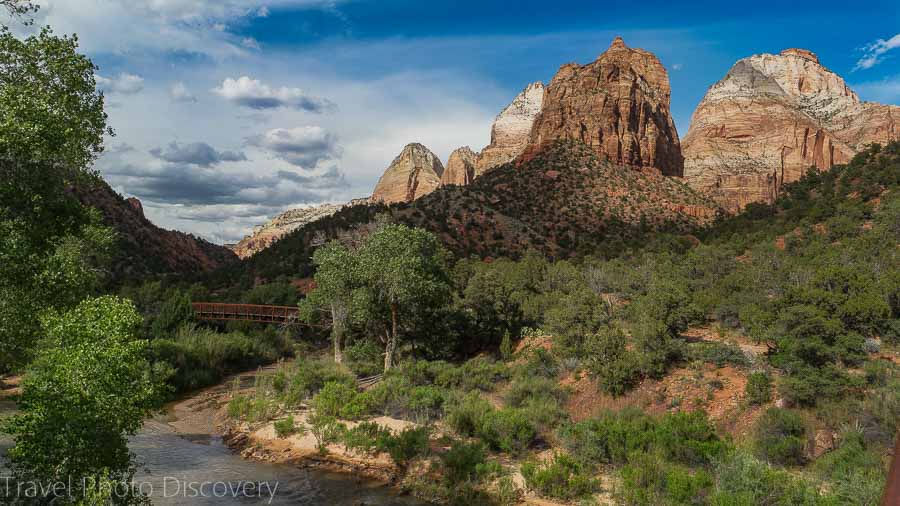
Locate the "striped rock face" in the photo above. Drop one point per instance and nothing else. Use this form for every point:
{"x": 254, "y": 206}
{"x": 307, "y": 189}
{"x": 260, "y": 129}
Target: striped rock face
{"x": 771, "y": 119}
{"x": 511, "y": 129}
{"x": 618, "y": 105}
{"x": 460, "y": 167}
{"x": 415, "y": 172}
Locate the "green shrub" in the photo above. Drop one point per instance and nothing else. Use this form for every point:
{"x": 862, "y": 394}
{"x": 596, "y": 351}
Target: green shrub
{"x": 309, "y": 376}
{"x": 463, "y": 461}
{"x": 616, "y": 368}
{"x": 525, "y": 389}
{"x": 465, "y": 413}
{"x": 340, "y": 400}
{"x": 687, "y": 438}
{"x": 561, "y": 478}
{"x": 780, "y": 437}
{"x": 716, "y": 353}
{"x": 758, "y": 389}
{"x": 649, "y": 480}
{"x": 506, "y": 430}
{"x": 287, "y": 427}
{"x": 410, "y": 443}
{"x": 742, "y": 480}
{"x": 364, "y": 438}
{"x": 255, "y": 408}
{"x": 480, "y": 373}
{"x": 325, "y": 429}
{"x": 610, "y": 438}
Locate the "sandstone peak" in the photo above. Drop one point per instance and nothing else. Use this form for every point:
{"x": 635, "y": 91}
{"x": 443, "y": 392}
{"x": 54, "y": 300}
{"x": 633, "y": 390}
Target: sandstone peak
{"x": 618, "y": 42}
{"x": 770, "y": 119}
{"x": 801, "y": 53}
{"x": 618, "y": 105}
{"x": 511, "y": 129}
{"x": 416, "y": 171}
{"x": 460, "y": 167}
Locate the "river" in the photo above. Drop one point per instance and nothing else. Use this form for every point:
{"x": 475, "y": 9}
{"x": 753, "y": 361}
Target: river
{"x": 175, "y": 468}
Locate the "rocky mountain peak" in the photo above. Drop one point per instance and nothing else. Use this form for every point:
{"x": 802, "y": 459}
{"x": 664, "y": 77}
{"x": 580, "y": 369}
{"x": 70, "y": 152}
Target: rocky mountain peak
{"x": 460, "y": 167}
{"x": 268, "y": 233}
{"x": 511, "y": 129}
{"x": 618, "y": 43}
{"x": 618, "y": 105}
{"x": 806, "y": 54}
{"x": 770, "y": 119}
{"x": 416, "y": 171}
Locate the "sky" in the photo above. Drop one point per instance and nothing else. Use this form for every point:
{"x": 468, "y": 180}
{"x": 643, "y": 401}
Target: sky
{"x": 228, "y": 112}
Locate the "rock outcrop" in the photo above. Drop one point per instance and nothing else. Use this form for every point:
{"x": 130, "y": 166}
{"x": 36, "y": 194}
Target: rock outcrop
{"x": 460, "y": 167}
{"x": 511, "y": 129}
{"x": 618, "y": 105}
{"x": 415, "y": 172}
{"x": 266, "y": 234}
{"x": 772, "y": 118}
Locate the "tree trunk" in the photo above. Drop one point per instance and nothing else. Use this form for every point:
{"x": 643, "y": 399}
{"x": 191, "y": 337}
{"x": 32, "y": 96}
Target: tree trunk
{"x": 391, "y": 346}
{"x": 337, "y": 332}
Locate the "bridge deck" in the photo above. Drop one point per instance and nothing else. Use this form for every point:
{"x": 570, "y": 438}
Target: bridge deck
{"x": 244, "y": 312}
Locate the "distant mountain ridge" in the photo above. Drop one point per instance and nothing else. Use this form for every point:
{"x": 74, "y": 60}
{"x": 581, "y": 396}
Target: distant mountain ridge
{"x": 145, "y": 249}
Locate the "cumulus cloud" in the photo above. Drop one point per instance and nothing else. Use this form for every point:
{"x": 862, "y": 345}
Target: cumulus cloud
{"x": 179, "y": 92}
{"x": 874, "y": 53}
{"x": 304, "y": 146}
{"x": 124, "y": 83}
{"x": 677, "y": 66}
{"x": 255, "y": 94}
{"x": 196, "y": 153}
{"x": 886, "y": 91}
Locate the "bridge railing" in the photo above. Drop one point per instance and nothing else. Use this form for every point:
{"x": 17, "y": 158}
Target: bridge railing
{"x": 243, "y": 312}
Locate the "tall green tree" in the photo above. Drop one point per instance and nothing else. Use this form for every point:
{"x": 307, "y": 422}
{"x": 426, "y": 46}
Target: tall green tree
{"x": 405, "y": 269}
{"x": 51, "y": 128}
{"x": 337, "y": 276}
{"x": 89, "y": 387}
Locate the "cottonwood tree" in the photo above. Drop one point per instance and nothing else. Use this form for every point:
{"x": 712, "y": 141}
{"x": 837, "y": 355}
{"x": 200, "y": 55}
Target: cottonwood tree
{"x": 404, "y": 269}
{"x": 89, "y": 387}
{"x": 337, "y": 276}
{"x": 52, "y": 124}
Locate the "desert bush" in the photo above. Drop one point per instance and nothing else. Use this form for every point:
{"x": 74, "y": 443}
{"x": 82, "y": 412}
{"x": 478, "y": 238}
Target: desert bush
{"x": 309, "y": 376}
{"x": 364, "y": 438}
{"x": 687, "y": 438}
{"x": 780, "y": 437}
{"x": 561, "y": 478}
{"x": 649, "y": 479}
{"x": 609, "y": 438}
{"x": 465, "y": 413}
{"x": 507, "y": 430}
{"x": 326, "y": 429}
{"x": 758, "y": 389}
{"x": 616, "y": 368}
{"x": 288, "y": 427}
{"x": 338, "y": 399}
{"x": 408, "y": 444}
{"x": 742, "y": 480}
{"x": 463, "y": 461}
{"x": 719, "y": 354}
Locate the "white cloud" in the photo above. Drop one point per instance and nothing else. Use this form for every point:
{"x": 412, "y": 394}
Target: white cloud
{"x": 179, "y": 92}
{"x": 874, "y": 53}
{"x": 127, "y": 26}
{"x": 886, "y": 91}
{"x": 250, "y": 42}
{"x": 255, "y": 94}
{"x": 677, "y": 66}
{"x": 124, "y": 83}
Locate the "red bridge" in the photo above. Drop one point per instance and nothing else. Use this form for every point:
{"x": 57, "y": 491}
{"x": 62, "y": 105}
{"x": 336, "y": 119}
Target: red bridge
{"x": 245, "y": 312}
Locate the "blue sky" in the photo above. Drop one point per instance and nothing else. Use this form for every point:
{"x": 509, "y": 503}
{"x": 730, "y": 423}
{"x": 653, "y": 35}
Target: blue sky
{"x": 230, "y": 111}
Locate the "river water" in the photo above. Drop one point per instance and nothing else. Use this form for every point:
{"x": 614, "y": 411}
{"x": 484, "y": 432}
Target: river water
{"x": 178, "y": 469}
